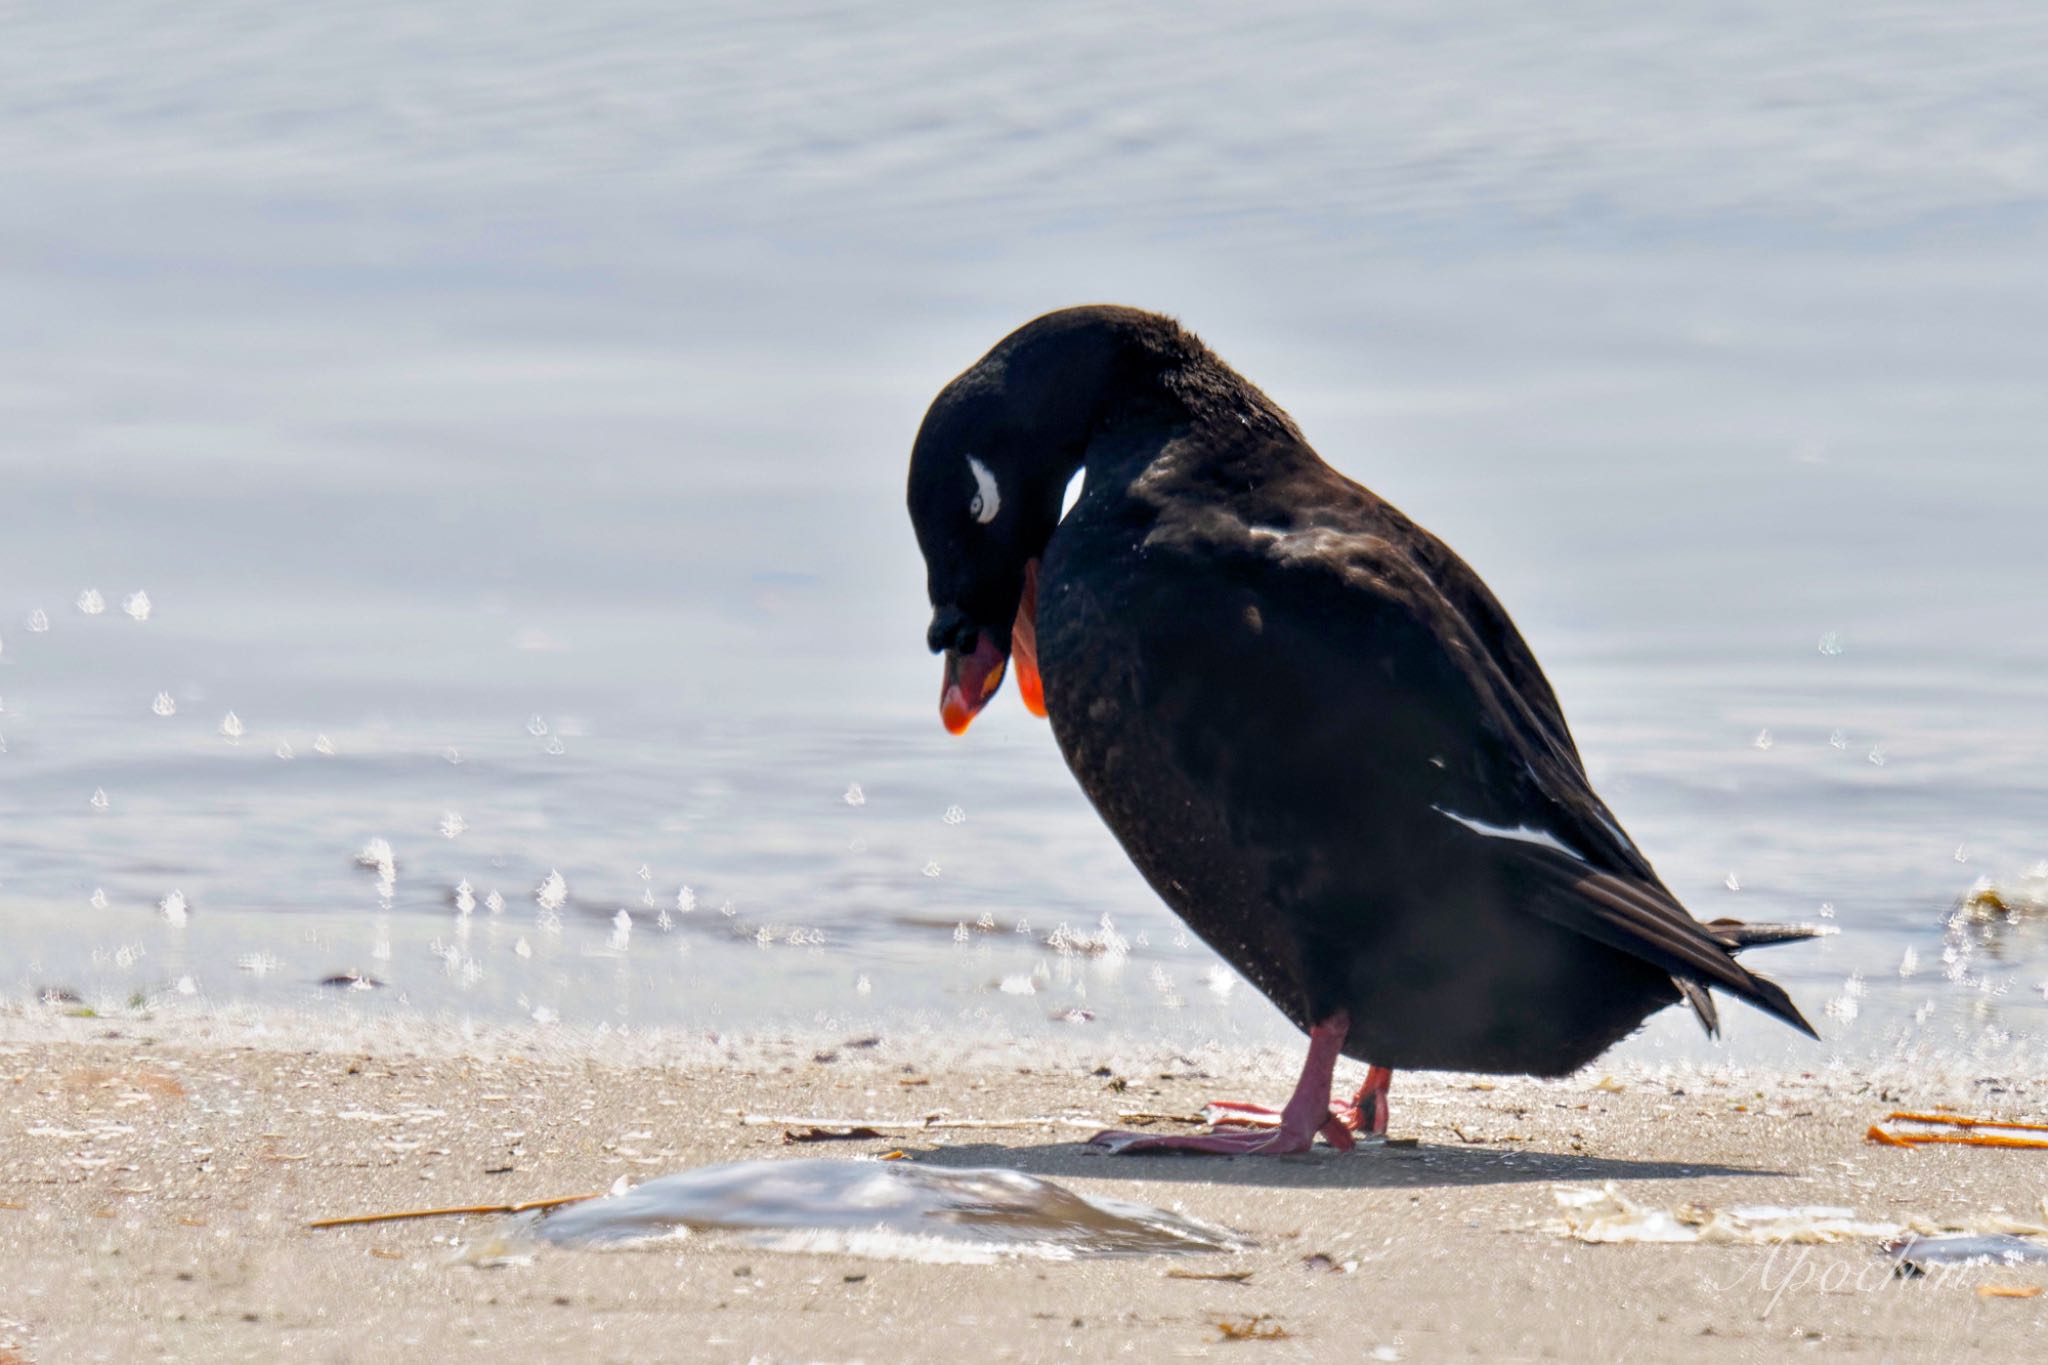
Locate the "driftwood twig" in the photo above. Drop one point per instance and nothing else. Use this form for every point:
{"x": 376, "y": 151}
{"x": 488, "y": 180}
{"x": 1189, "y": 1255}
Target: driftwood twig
{"x": 524, "y": 1206}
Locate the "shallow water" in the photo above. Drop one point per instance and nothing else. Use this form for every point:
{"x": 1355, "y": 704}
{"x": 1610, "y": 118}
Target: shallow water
{"x": 893, "y": 1209}
{"x": 519, "y": 401}
{"x": 1992, "y": 1248}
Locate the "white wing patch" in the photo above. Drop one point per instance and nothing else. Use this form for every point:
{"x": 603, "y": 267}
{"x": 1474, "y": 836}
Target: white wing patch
{"x": 988, "y": 499}
{"x": 1523, "y": 834}
{"x": 1073, "y": 493}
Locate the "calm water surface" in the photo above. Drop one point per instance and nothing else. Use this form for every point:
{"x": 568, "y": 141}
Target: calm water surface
{"x": 518, "y": 401}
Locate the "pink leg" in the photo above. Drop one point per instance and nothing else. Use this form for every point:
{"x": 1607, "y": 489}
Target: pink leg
{"x": 1365, "y": 1115}
{"x": 1307, "y": 1112}
{"x": 1368, "y": 1116}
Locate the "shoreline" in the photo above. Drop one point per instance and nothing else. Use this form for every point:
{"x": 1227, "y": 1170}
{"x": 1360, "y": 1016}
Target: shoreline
{"x": 156, "y": 1183}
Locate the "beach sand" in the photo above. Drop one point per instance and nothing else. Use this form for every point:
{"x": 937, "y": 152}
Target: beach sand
{"x": 157, "y": 1180}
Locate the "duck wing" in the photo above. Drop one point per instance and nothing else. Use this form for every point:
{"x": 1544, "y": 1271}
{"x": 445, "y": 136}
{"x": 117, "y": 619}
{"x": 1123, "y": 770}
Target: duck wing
{"x": 1385, "y": 652}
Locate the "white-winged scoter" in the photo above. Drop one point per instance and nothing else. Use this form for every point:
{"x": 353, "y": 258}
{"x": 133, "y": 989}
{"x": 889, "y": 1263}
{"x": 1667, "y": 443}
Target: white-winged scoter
{"x": 1311, "y": 726}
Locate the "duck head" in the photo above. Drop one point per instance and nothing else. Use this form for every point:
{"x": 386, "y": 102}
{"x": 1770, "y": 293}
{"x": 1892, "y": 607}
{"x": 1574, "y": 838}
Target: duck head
{"x": 987, "y": 476}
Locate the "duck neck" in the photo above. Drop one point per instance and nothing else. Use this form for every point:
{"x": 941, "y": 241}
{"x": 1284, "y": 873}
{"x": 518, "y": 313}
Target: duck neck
{"x": 1096, "y": 377}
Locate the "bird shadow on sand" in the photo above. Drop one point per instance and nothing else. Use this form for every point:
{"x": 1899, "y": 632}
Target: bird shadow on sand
{"x": 1417, "y": 1167}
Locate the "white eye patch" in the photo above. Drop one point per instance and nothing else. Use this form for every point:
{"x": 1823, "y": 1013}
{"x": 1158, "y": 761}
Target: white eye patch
{"x": 988, "y": 499}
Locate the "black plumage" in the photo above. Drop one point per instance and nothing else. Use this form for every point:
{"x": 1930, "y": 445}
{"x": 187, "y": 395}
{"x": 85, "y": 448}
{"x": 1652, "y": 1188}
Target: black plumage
{"x": 1309, "y": 723}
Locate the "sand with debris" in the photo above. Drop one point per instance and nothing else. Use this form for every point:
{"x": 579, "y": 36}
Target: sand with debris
{"x": 158, "y": 1181}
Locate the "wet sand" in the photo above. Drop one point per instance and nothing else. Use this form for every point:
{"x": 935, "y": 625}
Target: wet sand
{"x": 157, "y": 1179}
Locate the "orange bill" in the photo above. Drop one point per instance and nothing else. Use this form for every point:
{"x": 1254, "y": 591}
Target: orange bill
{"x": 971, "y": 679}
{"x": 1024, "y": 645}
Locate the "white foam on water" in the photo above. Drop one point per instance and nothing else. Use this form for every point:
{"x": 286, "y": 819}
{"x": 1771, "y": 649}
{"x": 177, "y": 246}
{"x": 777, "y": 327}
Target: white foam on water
{"x": 897, "y": 1210}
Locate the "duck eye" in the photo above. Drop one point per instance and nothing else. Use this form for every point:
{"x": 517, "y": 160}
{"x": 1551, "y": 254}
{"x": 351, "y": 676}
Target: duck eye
{"x": 987, "y": 499}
